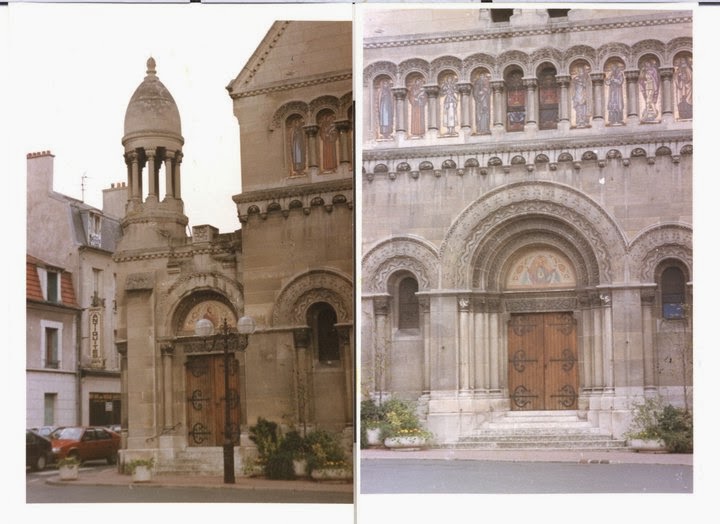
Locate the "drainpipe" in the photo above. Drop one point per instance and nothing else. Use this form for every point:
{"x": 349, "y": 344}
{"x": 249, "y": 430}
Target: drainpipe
{"x": 78, "y": 372}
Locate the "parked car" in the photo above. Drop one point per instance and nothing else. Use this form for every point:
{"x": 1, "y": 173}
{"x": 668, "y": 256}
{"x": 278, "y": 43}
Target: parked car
{"x": 115, "y": 428}
{"x": 85, "y": 443}
{"x": 38, "y": 451}
{"x": 44, "y": 431}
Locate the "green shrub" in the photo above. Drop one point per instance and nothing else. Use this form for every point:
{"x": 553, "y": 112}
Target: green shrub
{"x": 654, "y": 420}
{"x": 280, "y": 466}
{"x": 324, "y": 450}
{"x": 265, "y": 436}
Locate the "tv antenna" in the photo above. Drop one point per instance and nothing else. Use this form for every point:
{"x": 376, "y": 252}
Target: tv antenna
{"x": 82, "y": 185}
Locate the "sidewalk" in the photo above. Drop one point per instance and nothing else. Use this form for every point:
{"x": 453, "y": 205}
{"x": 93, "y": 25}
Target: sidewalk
{"x": 111, "y": 477}
{"x": 574, "y": 456}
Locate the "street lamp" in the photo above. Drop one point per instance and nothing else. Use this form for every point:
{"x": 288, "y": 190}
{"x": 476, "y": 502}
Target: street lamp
{"x": 231, "y": 342}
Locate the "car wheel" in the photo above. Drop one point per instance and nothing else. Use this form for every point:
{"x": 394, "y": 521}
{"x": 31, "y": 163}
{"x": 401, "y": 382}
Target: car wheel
{"x": 112, "y": 459}
{"x": 40, "y": 463}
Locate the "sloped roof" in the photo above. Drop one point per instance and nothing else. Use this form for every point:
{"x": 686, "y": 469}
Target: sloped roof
{"x": 33, "y": 289}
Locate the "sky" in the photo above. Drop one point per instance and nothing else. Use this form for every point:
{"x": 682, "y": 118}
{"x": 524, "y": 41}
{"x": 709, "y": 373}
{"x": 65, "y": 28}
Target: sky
{"x": 76, "y": 66}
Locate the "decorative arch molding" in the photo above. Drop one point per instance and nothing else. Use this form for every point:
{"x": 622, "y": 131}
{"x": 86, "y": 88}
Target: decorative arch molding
{"x": 490, "y": 261}
{"x": 391, "y": 255}
{"x": 656, "y": 244}
{"x": 306, "y": 289}
{"x": 285, "y": 110}
{"x": 614, "y": 50}
{"x": 323, "y": 102}
{"x": 546, "y": 55}
{"x": 588, "y": 221}
{"x": 414, "y": 65}
{"x": 580, "y": 52}
{"x": 376, "y": 69}
{"x": 652, "y": 47}
{"x": 446, "y": 63}
{"x": 513, "y": 58}
{"x": 189, "y": 289}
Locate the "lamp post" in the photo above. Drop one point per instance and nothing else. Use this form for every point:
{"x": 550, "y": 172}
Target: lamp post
{"x": 232, "y": 341}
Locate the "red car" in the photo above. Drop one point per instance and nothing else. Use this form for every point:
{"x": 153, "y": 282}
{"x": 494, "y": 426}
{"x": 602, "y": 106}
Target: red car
{"x": 85, "y": 443}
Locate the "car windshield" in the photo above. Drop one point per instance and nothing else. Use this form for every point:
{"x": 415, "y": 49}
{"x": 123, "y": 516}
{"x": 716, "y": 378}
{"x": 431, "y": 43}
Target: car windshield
{"x": 68, "y": 433}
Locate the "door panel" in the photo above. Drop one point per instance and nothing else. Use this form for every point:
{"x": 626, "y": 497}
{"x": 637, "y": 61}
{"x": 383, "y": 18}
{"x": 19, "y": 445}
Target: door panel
{"x": 542, "y": 368}
{"x": 205, "y": 385}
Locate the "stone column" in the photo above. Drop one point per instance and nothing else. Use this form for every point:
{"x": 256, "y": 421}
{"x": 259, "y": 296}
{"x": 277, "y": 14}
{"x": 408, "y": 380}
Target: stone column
{"x": 169, "y": 176}
{"x": 432, "y": 95}
{"x": 496, "y": 368}
{"x": 607, "y": 347}
{"x": 152, "y": 175}
{"x": 122, "y": 351}
{"x": 380, "y": 307}
{"x": 647, "y": 297}
{"x": 301, "y": 340}
{"x": 176, "y": 186}
{"x": 426, "y": 334}
{"x": 498, "y": 87}
{"x": 348, "y": 363}
{"x": 531, "y": 104}
{"x": 631, "y": 83}
{"x": 311, "y": 131}
{"x": 464, "y": 342}
{"x": 135, "y": 187}
{"x": 598, "y": 81}
{"x": 597, "y": 348}
{"x": 564, "y": 107}
{"x": 465, "y": 90}
{"x": 167, "y": 351}
{"x": 666, "y": 76}
{"x": 400, "y": 95}
{"x": 343, "y": 127}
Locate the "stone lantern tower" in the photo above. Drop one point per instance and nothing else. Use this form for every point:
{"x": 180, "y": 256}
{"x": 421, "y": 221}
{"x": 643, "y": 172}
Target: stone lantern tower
{"x": 153, "y": 153}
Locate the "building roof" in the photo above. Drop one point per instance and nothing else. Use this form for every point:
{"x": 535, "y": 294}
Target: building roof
{"x": 33, "y": 288}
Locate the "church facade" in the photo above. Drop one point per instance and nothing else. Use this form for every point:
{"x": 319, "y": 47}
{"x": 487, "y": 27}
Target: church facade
{"x": 527, "y": 209}
{"x": 288, "y": 267}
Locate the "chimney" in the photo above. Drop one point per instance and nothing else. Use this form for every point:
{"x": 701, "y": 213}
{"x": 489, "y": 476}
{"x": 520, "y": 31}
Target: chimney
{"x": 114, "y": 200}
{"x": 40, "y": 172}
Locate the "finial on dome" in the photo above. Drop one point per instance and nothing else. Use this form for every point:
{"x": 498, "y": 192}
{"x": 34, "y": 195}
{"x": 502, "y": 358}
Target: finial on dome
{"x": 151, "y": 66}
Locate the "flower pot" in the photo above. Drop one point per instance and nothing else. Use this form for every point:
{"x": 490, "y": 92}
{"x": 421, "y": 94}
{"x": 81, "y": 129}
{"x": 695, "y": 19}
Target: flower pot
{"x": 648, "y": 445}
{"x": 409, "y": 442}
{"x": 373, "y": 436}
{"x": 332, "y": 474}
{"x": 142, "y": 474}
{"x": 69, "y": 472}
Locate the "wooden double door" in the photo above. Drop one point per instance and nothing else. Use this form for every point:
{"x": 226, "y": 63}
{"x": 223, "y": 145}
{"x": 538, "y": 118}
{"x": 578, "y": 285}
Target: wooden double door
{"x": 205, "y": 385}
{"x": 542, "y": 361}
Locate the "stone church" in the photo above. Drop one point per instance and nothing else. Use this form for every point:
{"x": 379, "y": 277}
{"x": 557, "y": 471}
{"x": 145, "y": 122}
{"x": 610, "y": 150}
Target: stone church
{"x": 289, "y": 266}
{"x": 526, "y": 216}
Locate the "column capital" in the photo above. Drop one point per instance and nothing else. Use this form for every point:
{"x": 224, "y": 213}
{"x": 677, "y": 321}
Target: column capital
{"x": 632, "y": 75}
{"x": 399, "y": 92}
{"x": 666, "y": 73}
{"x": 530, "y": 83}
{"x": 464, "y": 88}
{"x": 432, "y": 90}
{"x": 343, "y": 125}
{"x": 464, "y": 304}
{"x": 597, "y": 78}
{"x": 381, "y": 305}
{"x": 497, "y": 85}
{"x": 167, "y": 350}
{"x": 563, "y": 80}
{"x": 312, "y": 129}
{"x": 301, "y": 337}
{"x": 150, "y": 152}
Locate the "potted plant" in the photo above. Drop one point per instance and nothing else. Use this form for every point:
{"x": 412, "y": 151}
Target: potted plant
{"x": 371, "y": 424}
{"x": 403, "y": 429}
{"x": 294, "y": 445}
{"x": 141, "y": 469}
{"x": 68, "y": 467}
{"x": 326, "y": 458}
{"x": 264, "y": 435}
{"x": 660, "y": 428}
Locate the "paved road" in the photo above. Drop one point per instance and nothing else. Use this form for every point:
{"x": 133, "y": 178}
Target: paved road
{"x": 488, "y": 477}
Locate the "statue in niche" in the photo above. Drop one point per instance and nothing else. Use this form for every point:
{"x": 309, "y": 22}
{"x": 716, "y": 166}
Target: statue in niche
{"x": 615, "y": 105}
{"x": 297, "y": 145}
{"x": 683, "y": 87}
{"x": 418, "y": 99}
{"x": 385, "y": 109}
{"x": 328, "y": 134}
{"x": 581, "y": 87}
{"x": 449, "y": 89}
{"x": 548, "y": 98}
{"x": 481, "y": 94}
{"x": 649, "y": 81}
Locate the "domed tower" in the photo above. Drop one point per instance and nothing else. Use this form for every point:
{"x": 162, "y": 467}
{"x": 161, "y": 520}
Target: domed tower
{"x": 153, "y": 153}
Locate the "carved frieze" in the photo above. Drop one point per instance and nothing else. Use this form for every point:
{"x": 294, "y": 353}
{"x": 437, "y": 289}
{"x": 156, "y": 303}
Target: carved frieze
{"x": 140, "y": 282}
{"x": 395, "y": 254}
{"x": 308, "y": 288}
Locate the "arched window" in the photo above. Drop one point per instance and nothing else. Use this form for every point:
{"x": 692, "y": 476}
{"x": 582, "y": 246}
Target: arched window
{"x": 408, "y": 304}
{"x": 322, "y": 319}
{"x": 328, "y": 140}
{"x": 549, "y": 96}
{"x": 515, "y": 99}
{"x": 295, "y": 144}
{"x": 672, "y": 289}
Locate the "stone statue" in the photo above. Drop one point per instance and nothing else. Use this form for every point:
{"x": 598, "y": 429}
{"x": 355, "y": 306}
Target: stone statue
{"x": 481, "y": 94}
{"x": 449, "y": 89}
{"x": 418, "y": 99}
{"x": 581, "y": 86}
{"x": 683, "y": 87}
{"x": 615, "y": 105}
{"x": 385, "y": 109}
{"x": 649, "y": 81}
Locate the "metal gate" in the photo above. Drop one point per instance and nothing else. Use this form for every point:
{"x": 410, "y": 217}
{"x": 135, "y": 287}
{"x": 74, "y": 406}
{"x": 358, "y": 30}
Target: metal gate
{"x": 205, "y": 384}
{"x": 542, "y": 367}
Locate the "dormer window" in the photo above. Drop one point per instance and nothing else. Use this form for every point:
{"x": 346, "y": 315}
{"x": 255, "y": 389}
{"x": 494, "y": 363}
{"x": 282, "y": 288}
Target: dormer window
{"x": 50, "y": 284}
{"x": 94, "y": 230}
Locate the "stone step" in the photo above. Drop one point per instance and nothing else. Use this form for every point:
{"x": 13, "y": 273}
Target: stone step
{"x": 583, "y": 445}
{"x": 528, "y": 437}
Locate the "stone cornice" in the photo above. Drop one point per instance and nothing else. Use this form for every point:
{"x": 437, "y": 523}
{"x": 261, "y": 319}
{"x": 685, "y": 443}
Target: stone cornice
{"x": 186, "y": 252}
{"x": 338, "y": 76}
{"x": 489, "y": 33}
{"x": 293, "y": 191}
{"x": 519, "y": 146}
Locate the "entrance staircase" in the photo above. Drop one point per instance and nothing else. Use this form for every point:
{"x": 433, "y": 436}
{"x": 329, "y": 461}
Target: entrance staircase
{"x": 536, "y": 430}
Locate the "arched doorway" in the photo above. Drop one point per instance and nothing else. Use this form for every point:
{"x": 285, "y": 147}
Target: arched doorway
{"x": 542, "y": 345}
